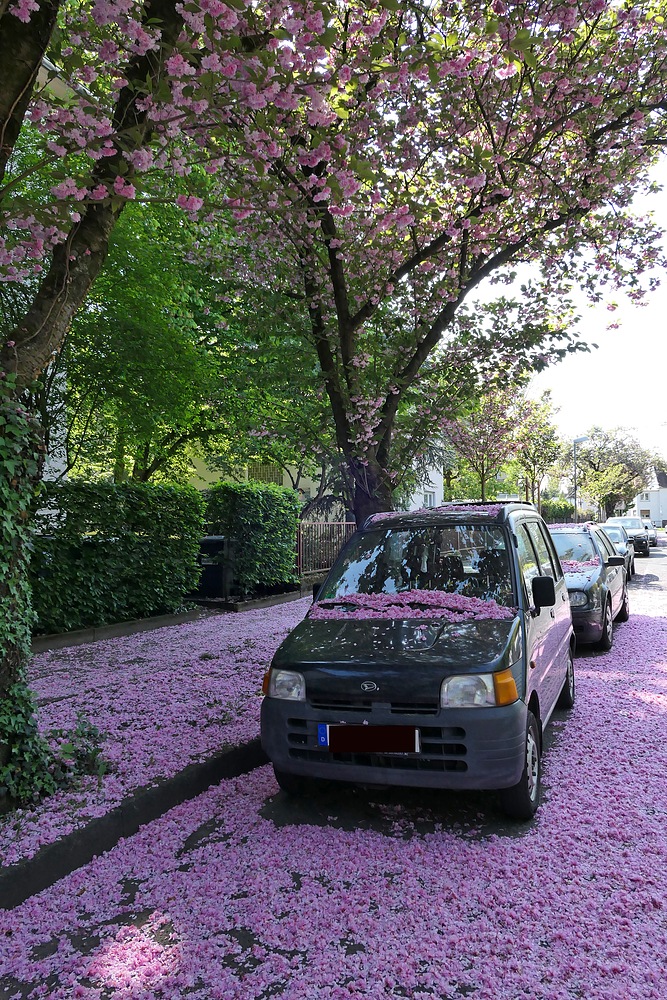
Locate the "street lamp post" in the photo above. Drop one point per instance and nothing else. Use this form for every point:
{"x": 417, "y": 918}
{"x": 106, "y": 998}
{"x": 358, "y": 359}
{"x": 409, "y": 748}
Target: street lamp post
{"x": 575, "y": 442}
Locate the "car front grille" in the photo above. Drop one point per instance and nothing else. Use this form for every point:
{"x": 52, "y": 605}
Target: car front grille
{"x": 366, "y": 706}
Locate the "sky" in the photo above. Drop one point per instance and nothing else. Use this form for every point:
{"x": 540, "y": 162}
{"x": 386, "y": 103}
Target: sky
{"x": 622, "y": 383}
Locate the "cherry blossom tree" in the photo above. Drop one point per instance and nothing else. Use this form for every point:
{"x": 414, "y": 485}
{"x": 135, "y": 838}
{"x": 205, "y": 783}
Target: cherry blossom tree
{"x": 383, "y": 160}
{"x": 487, "y": 437}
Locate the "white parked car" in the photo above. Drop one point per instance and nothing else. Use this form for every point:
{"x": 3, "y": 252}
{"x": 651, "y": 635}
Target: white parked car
{"x": 652, "y": 533}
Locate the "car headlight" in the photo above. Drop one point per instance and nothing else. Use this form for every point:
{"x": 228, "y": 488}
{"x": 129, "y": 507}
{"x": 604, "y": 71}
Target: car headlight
{"x": 478, "y": 690}
{"x": 578, "y": 599}
{"x": 286, "y": 684}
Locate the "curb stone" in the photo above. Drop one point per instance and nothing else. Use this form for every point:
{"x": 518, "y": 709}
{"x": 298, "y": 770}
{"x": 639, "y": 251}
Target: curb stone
{"x": 58, "y": 640}
{"x": 205, "y": 608}
{"x": 54, "y": 861}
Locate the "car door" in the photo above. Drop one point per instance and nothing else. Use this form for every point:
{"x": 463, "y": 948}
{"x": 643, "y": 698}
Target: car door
{"x": 558, "y": 639}
{"x": 614, "y": 575}
{"x": 538, "y": 623}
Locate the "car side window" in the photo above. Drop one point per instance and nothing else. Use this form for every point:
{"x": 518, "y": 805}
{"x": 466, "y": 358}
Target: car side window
{"x": 528, "y": 562}
{"x": 608, "y": 548}
{"x": 548, "y": 561}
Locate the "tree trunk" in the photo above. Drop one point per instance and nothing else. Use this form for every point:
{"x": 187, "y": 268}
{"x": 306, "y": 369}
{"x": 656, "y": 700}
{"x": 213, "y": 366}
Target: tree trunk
{"x": 22, "y": 47}
{"x": 372, "y": 490}
{"x": 77, "y": 262}
{"x": 74, "y": 266}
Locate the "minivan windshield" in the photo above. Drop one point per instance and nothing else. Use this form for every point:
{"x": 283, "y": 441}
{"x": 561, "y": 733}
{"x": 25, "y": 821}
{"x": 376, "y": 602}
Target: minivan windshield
{"x": 466, "y": 559}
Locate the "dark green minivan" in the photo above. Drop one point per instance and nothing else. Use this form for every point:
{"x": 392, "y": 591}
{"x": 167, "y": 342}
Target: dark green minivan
{"x": 434, "y": 655}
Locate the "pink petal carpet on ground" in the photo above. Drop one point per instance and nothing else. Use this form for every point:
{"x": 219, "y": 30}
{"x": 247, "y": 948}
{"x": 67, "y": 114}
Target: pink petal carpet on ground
{"x": 161, "y": 700}
{"x": 218, "y": 900}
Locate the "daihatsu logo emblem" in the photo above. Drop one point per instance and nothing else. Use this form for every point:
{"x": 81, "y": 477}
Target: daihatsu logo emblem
{"x": 369, "y": 686}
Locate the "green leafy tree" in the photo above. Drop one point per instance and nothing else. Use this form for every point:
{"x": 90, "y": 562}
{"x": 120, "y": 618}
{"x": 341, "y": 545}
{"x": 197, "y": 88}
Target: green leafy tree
{"x": 613, "y": 468}
{"x": 537, "y": 445}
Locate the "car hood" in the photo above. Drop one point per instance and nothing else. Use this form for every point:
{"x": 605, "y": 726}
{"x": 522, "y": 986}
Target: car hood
{"x": 337, "y": 656}
{"x": 582, "y": 579}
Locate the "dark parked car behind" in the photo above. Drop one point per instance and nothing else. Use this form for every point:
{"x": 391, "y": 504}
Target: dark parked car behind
{"x": 596, "y": 581}
{"x": 636, "y": 531}
{"x": 623, "y": 545}
{"x": 434, "y": 655}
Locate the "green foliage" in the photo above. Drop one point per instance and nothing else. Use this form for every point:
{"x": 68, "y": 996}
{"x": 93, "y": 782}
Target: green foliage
{"x": 556, "y": 510}
{"x": 262, "y": 520}
{"x": 32, "y": 769}
{"x": 19, "y": 473}
{"x": 81, "y": 753}
{"x": 613, "y": 468}
{"x": 26, "y": 773}
{"x": 107, "y": 553}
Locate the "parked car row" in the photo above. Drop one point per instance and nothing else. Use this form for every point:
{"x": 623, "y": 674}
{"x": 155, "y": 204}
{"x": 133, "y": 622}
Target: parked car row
{"x": 637, "y": 532}
{"x": 597, "y": 581}
{"x": 437, "y": 649}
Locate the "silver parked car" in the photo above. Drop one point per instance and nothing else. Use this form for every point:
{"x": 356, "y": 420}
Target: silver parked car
{"x": 651, "y": 532}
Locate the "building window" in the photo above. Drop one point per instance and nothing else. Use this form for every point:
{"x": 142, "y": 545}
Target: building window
{"x": 644, "y": 496}
{"x": 262, "y": 472}
{"x": 429, "y": 499}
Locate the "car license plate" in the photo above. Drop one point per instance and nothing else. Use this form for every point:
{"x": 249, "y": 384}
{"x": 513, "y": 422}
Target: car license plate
{"x": 368, "y": 739}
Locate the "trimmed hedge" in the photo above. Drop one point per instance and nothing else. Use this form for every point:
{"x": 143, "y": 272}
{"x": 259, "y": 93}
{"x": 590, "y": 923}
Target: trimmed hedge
{"x": 107, "y": 553}
{"x": 262, "y": 520}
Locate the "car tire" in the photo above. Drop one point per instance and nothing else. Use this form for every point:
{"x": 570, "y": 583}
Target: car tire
{"x": 568, "y": 691}
{"x": 632, "y": 569}
{"x": 607, "y": 638}
{"x": 292, "y": 784}
{"x": 624, "y": 612}
{"x": 521, "y": 801}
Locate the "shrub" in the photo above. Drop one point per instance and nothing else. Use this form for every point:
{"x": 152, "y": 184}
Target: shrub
{"x": 557, "y": 510}
{"x": 106, "y": 553}
{"x": 261, "y": 519}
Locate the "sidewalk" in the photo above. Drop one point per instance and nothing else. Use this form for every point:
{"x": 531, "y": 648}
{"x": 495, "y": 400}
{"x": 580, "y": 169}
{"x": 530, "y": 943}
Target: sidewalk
{"x": 178, "y": 709}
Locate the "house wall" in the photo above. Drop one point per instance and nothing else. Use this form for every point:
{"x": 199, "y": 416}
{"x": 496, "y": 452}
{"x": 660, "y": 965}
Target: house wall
{"x": 653, "y": 505}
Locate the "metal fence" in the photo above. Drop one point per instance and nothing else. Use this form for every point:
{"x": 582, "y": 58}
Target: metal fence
{"x": 319, "y": 542}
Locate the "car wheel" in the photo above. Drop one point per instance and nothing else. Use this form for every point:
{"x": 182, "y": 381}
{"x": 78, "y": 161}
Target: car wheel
{"x": 624, "y": 612}
{"x": 648, "y": 552}
{"x": 291, "y": 784}
{"x": 632, "y": 569}
{"x": 607, "y": 637}
{"x": 521, "y": 800}
{"x": 566, "y": 696}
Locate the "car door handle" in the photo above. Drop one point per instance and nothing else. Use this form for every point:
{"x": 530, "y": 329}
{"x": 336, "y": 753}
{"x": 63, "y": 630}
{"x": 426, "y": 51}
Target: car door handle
{"x": 552, "y": 613}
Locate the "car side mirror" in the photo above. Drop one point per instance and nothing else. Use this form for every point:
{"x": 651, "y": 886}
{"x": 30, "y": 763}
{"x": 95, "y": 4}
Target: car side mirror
{"x": 544, "y": 592}
{"x": 616, "y": 561}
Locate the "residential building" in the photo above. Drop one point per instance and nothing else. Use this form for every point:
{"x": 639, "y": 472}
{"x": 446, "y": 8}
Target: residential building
{"x": 652, "y": 503}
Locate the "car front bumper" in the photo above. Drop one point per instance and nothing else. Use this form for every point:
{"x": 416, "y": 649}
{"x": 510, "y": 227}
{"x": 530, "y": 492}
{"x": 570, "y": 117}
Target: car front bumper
{"x": 474, "y": 748}
{"x": 588, "y": 625}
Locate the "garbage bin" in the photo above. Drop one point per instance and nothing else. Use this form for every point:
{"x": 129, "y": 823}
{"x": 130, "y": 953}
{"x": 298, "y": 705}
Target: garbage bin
{"x": 217, "y": 567}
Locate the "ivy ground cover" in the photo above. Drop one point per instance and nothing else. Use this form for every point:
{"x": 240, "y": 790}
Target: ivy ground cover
{"x": 161, "y": 699}
{"x": 240, "y": 895}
